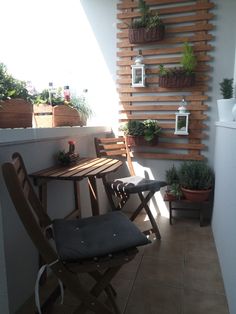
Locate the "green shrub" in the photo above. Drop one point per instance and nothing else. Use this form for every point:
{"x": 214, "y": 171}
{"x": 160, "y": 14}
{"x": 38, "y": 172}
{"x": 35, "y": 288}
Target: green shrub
{"x": 196, "y": 175}
{"x": 11, "y": 87}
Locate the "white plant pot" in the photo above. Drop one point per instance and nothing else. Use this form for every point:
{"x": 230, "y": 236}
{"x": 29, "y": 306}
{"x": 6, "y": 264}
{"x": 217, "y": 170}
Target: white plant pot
{"x": 225, "y": 107}
{"x": 234, "y": 112}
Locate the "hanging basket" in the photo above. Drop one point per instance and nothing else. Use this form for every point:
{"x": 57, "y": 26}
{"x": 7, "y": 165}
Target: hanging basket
{"x": 140, "y": 141}
{"x": 177, "y": 81}
{"x": 146, "y": 35}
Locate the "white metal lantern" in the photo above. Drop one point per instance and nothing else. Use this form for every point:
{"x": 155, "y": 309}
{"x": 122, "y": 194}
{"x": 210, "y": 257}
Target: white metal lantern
{"x": 138, "y": 72}
{"x": 181, "y": 120}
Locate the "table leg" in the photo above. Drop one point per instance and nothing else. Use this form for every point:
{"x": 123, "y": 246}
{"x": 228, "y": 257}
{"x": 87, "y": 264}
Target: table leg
{"x": 93, "y": 195}
{"x": 43, "y": 194}
{"x": 77, "y": 199}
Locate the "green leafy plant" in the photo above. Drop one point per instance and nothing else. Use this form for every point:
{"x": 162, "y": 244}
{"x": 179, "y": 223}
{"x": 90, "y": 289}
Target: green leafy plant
{"x": 175, "y": 190}
{"x": 81, "y": 104}
{"x": 172, "y": 175}
{"x": 147, "y": 19}
{"x": 44, "y": 97}
{"x": 11, "y": 87}
{"x": 226, "y": 88}
{"x": 188, "y": 62}
{"x": 133, "y": 128}
{"x": 147, "y": 128}
{"x": 151, "y": 128}
{"x": 196, "y": 175}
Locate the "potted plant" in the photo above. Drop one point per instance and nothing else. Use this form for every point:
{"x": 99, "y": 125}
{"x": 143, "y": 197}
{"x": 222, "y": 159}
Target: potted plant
{"x": 141, "y": 132}
{"x": 226, "y": 104}
{"x": 179, "y": 77}
{"x": 72, "y": 113}
{"x": 148, "y": 28}
{"x": 173, "y": 190}
{"x": 16, "y": 109}
{"x": 196, "y": 179}
{"x": 43, "y": 102}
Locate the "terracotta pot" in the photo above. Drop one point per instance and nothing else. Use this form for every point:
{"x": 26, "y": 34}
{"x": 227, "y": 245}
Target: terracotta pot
{"x": 16, "y": 113}
{"x": 140, "y": 141}
{"x": 177, "y": 81}
{"x": 63, "y": 115}
{"x": 146, "y": 35}
{"x": 196, "y": 195}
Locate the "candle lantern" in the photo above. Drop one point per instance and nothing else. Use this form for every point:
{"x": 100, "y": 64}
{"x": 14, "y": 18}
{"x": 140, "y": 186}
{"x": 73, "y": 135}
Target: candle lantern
{"x": 182, "y": 119}
{"x": 138, "y": 71}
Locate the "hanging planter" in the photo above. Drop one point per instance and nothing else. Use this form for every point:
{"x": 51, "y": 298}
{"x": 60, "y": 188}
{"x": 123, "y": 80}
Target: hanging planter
{"x": 177, "y": 80}
{"x": 146, "y": 35}
{"x": 147, "y": 28}
{"x": 180, "y": 77}
{"x": 141, "y": 141}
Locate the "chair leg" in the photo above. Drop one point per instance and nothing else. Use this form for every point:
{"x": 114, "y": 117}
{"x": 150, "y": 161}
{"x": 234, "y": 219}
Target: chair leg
{"x": 103, "y": 284}
{"x": 144, "y": 204}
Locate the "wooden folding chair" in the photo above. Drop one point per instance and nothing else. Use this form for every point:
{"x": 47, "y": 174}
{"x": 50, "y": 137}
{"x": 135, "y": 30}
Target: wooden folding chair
{"x": 122, "y": 188}
{"x": 97, "y": 245}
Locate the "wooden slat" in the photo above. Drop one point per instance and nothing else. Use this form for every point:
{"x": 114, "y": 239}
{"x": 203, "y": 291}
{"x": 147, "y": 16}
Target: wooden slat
{"x": 176, "y": 60}
{"x": 160, "y": 107}
{"x": 162, "y": 51}
{"x": 158, "y": 89}
{"x": 174, "y": 30}
{"x": 133, "y": 5}
{"x": 169, "y": 10}
{"x": 180, "y": 19}
{"x": 169, "y": 156}
{"x": 185, "y": 21}
{"x": 160, "y": 116}
{"x": 172, "y": 40}
{"x": 161, "y": 98}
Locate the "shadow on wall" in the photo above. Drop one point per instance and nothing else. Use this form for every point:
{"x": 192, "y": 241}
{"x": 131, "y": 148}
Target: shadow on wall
{"x": 101, "y": 16}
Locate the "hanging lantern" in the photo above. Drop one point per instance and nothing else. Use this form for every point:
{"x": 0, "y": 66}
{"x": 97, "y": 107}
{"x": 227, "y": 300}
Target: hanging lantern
{"x": 138, "y": 71}
{"x": 182, "y": 119}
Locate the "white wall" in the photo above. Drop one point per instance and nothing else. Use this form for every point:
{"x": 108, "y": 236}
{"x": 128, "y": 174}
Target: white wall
{"x": 224, "y": 214}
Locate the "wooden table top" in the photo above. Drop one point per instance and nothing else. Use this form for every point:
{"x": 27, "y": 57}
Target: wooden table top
{"x": 83, "y": 168}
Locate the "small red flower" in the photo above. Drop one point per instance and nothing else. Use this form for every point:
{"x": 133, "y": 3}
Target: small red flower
{"x": 71, "y": 142}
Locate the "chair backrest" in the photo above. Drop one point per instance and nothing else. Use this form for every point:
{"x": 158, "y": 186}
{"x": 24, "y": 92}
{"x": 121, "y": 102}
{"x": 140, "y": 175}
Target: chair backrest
{"x": 114, "y": 147}
{"x": 28, "y": 205}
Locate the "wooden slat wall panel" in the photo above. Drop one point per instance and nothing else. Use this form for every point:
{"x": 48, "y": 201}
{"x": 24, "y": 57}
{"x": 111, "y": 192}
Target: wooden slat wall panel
{"x": 185, "y": 20}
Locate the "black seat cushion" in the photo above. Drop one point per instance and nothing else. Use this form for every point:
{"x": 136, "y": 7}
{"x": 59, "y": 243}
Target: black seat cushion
{"x": 135, "y": 184}
{"x": 96, "y": 236}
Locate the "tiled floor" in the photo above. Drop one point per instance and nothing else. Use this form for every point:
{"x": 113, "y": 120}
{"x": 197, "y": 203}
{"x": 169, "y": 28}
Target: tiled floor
{"x": 178, "y": 274}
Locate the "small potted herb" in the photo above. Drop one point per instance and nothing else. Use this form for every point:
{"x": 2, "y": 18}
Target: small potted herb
{"x": 147, "y": 28}
{"x": 196, "y": 179}
{"x": 183, "y": 76}
{"x": 226, "y": 104}
{"x": 173, "y": 190}
{"x": 141, "y": 132}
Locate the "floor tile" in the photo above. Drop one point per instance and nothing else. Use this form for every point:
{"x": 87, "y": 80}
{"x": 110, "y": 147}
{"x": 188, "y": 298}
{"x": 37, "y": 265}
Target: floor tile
{"x": 152, "y": 298}
{"x": 195, "y": 302}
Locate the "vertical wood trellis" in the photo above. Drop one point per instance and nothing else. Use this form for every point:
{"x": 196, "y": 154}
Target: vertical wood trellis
{"x": 186, "y": 21}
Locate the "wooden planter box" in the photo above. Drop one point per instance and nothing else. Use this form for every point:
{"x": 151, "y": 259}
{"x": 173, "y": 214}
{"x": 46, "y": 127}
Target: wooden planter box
{"x": 42, "y": 116}
{"x": 63, "y": 115}
{"x": 16, "y": 113}
{"x": 144, "y": 35}
{"x": 177, "y": 81}
{"x": 140, "y": 141}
